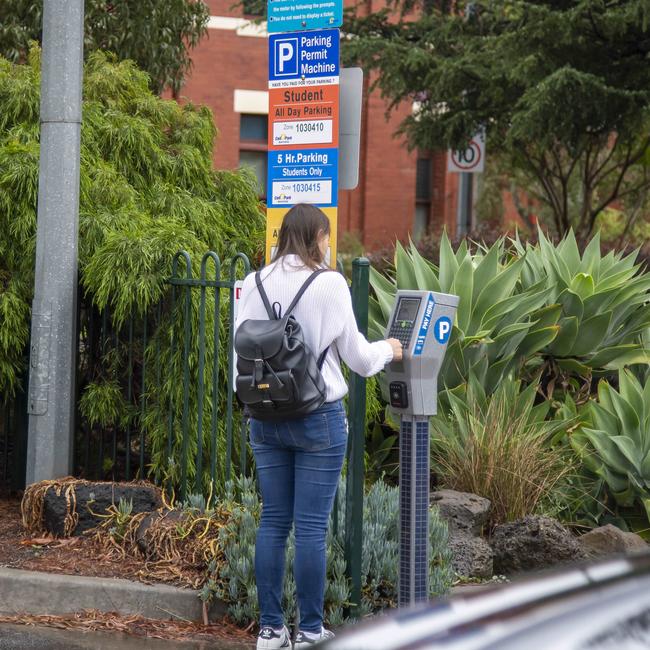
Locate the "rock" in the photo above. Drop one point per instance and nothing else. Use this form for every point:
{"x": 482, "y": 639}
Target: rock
{"x": 608, "y": 540}
{"x": 150, "y": 520}
{"x": 471, "y": 556}
{"x": 462, "y": 511}
{"x": 533, "y": 543}
{"x": 92, "y": 500}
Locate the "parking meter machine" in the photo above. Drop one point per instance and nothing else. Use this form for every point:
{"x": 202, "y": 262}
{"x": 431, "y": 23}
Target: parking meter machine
{"x": 422, "y": 321}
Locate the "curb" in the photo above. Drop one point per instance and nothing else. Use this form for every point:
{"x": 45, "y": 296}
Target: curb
{"x": 35, "y": 592}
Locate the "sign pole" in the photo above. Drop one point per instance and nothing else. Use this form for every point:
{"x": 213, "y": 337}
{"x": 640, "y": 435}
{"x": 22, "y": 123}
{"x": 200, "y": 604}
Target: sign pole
{"x": 51, "y": 395}
{"x": 464, "y": 212}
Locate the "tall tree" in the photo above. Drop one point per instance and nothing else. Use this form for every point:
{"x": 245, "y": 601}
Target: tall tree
{"x": 156, "y": 34}
{"x": 562, "y": 88}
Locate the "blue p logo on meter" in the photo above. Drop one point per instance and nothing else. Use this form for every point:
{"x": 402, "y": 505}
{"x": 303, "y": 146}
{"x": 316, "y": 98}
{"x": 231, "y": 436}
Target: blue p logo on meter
{"x": 442, "y": 330}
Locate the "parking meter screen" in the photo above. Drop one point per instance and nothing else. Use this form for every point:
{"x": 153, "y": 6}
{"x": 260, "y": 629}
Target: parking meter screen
{"x": 408, "y": 309}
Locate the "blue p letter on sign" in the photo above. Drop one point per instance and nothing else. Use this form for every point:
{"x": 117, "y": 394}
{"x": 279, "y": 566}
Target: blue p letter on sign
{"x": 285, "y": 62}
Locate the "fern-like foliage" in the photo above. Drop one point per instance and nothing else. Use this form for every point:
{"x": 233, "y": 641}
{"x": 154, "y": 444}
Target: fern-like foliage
{"x": 147, "y": 190}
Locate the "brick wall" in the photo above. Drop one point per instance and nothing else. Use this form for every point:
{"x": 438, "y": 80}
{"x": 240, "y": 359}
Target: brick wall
{"x": 382, "y": 208}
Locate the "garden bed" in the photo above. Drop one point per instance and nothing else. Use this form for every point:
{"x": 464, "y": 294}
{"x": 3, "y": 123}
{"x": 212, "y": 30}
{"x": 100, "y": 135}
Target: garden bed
{"x": 70, "y": 556}
{"x": 84, "y": 556}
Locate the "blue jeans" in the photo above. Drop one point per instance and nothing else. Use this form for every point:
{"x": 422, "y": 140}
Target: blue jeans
{"x": 298, "y": 465}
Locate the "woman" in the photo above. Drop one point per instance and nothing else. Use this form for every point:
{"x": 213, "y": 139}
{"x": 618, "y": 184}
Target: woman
{"x": 299, "y": 460}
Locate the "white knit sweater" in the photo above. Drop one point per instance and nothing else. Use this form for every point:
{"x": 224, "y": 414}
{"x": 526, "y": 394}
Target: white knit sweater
{"x": 325, "y": 315}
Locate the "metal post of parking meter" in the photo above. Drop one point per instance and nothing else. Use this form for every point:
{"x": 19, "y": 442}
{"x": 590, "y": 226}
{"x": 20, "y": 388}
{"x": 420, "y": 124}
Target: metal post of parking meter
{"x": 422, "y": 321}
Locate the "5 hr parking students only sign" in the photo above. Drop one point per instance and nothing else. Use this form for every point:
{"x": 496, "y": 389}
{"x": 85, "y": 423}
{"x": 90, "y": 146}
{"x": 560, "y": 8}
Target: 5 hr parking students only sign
{"x": 303, "y": 176}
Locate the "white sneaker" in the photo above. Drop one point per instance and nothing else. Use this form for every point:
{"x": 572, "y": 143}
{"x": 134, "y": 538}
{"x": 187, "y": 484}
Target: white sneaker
{"x": 271, "y": 639}
{"x": 308, "y": 639}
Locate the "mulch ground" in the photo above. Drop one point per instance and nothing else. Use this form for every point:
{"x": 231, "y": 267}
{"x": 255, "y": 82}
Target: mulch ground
{"x": 79, "y": 556}
{"x": 70, "y": 556}
{"x": 93, "y": 621}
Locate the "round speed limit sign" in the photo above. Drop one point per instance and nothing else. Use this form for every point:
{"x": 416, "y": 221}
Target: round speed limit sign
{"x": 470, "y": 159}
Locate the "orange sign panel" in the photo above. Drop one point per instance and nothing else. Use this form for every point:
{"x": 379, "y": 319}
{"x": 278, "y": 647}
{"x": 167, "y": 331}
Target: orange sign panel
{"x": 303, "y": 116}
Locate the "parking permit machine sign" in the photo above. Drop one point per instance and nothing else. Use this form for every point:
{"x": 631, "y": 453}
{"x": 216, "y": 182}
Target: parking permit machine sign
{"x": 304, "y": 58}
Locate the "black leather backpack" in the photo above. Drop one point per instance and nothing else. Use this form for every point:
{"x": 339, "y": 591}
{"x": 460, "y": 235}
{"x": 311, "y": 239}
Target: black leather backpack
{"x": 278, "y": 376}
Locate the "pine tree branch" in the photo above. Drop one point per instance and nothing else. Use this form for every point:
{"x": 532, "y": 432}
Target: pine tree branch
{"x": 551, "y": 198}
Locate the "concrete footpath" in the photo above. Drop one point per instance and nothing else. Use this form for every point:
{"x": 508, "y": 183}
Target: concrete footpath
{"x": 33, "y": 592}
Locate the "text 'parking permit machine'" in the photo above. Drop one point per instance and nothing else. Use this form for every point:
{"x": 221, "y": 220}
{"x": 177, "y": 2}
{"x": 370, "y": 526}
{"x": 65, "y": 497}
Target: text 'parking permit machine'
{"x": 422, "y": 321}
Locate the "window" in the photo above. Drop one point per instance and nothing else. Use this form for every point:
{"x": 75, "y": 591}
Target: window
{"x": 253, "y": 129}
{"x": 257, "y": 161}
{"x": 423, "y": 188}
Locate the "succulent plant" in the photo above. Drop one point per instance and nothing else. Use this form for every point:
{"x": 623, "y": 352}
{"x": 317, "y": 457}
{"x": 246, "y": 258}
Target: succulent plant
{"x": 616, "y": 445}
{"x": 538, "y": 306}
{"x": 603, "y": 303}
{"x": 498, "y": 326}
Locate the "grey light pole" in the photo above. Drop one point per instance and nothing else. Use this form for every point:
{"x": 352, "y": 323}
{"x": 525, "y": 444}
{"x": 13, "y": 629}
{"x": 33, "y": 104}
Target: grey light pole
{"x": 51, "y": 397}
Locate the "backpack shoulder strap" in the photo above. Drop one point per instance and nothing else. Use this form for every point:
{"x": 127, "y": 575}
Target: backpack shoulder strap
{"x": 302, "y": 289}
{"x": 321, "y": 360}
{"x": 265, "y": 298}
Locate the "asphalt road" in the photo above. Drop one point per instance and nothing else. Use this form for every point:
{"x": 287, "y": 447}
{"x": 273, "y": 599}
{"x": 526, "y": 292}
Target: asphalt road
{"x": 20, "y": 637}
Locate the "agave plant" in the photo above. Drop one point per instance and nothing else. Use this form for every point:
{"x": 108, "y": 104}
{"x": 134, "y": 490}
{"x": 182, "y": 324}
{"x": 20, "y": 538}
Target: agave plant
{"x": 617, "y": 444}
{"x": 603, "y": 302}
{"x": 498, "y": 325}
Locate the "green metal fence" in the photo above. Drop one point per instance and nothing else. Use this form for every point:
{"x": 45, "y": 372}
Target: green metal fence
{"x": 13, "y": 442}
{"x": 173, "y": 369}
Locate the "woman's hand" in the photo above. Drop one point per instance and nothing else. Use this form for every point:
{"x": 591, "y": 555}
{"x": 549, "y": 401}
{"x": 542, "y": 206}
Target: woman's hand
{"x": 397, "y": 349}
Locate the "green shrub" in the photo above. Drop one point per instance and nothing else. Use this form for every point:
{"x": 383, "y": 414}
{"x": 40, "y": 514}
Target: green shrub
{"x": 614, "y": 444}
{"x": 603, "y": 302}
{"x": 379, "y": 556}
{"x": 147, "y": 189}
{"x": 499, "y": 447}
{"x": 578, "y": 499}
{"x": 498, "y": 326}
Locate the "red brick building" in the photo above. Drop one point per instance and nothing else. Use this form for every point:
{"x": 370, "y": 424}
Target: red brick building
{"x": 399, "y": 192}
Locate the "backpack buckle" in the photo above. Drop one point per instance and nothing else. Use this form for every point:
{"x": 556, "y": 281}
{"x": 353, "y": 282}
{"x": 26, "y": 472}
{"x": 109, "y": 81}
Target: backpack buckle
{"x": 259, "y": 371}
